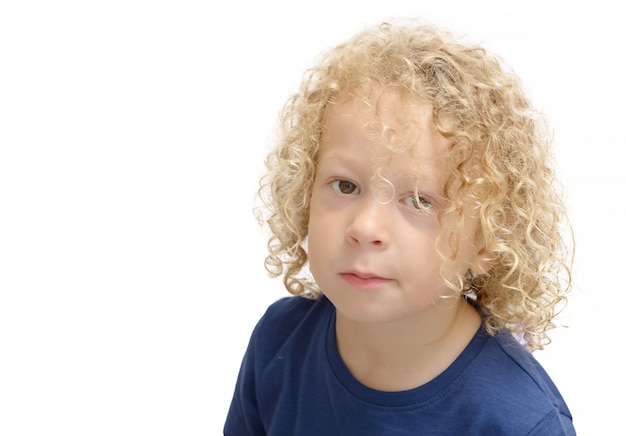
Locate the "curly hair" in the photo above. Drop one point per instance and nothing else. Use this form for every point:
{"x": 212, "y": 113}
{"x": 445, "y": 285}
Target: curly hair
{"x": 499, "y": 159}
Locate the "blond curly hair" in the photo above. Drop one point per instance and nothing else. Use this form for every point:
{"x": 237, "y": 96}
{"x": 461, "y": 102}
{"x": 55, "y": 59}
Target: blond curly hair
{"x": 499, "y": 159}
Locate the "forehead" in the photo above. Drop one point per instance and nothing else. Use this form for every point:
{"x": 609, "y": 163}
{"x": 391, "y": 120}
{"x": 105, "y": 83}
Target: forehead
{"x": 384, "y": 124}
{"x": 390, "y": 108}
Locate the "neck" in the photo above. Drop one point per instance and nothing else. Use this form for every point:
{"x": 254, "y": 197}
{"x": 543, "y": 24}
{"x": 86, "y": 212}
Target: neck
{"x": 406, "y": 353}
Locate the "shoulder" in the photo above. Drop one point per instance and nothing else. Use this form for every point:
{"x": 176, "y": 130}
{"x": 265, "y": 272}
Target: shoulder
{"x": 290, "y": 320}
{"x": 288, "y": 312}
{"x": 520, "y": 365}
{"x": 516, "y": 388}
{"x": 288, "y": 308}
{"x": 277, "y": 342}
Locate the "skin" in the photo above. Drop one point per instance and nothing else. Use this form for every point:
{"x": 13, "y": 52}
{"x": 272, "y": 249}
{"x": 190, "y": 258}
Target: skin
{"x": 374, "y": 250}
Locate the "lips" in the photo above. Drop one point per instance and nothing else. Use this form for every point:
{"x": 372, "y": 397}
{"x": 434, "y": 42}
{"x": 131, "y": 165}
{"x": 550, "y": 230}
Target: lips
{"x": 364, "y": 280}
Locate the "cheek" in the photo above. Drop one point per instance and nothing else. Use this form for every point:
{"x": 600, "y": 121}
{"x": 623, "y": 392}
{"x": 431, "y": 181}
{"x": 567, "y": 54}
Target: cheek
{"x": 316, "y": 237}
{"x": 449, "y": 250}
{"x": 317, "y": 252}
{"x": 460, "y": 247}
{"x": 320, "y": 220}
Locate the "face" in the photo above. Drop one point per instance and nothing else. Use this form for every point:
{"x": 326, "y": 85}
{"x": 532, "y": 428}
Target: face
{"x": 374, "y": 245}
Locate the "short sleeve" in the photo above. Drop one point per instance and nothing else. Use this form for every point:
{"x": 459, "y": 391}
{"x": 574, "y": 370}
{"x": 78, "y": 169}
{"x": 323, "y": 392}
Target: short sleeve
{"x": 554, "y": 424}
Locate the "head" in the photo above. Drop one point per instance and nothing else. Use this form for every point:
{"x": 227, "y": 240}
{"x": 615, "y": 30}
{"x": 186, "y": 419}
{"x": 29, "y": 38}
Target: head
{"x": 494, "y": 166}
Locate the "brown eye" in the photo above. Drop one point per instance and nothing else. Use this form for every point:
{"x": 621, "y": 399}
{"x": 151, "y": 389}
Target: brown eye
{"x": 345, "y": 187}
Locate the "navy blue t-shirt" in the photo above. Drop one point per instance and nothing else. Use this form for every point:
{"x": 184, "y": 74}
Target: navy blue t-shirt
{"x": 293, "y": 382}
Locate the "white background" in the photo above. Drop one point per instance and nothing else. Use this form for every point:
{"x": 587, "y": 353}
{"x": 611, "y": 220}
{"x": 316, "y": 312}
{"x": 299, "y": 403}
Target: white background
{"x": 132, "y": 137}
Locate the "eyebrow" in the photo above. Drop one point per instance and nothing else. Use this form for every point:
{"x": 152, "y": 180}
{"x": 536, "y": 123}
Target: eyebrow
{"x": 338, "y": 157}
{"x": 426, "y": 177}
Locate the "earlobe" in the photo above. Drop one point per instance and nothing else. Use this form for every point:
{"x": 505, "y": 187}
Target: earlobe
{"x": 476, "y": 275}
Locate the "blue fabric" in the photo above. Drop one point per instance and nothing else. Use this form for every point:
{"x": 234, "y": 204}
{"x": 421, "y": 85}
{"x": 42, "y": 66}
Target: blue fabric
{"x": 293, "y": 382}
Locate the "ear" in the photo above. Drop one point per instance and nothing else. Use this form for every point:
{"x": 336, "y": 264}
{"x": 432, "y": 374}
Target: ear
{"x": 482, "y": 263}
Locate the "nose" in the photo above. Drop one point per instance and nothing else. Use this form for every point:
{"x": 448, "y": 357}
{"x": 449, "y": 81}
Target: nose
{"x": 369, "y": 225}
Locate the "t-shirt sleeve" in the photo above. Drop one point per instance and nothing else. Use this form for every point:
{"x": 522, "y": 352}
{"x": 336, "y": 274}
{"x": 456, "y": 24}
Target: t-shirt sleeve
{"x": 556, "y": 424}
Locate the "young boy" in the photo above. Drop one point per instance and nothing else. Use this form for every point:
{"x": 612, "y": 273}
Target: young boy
{"x": 413, "y": 176}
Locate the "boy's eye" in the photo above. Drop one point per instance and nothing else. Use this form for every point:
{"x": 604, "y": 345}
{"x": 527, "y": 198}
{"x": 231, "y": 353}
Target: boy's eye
{"x": 345, "y": 187}
{"x": 419, "y": 203}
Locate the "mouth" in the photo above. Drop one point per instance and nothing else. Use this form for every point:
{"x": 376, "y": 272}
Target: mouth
{"x": 364, "y": 280}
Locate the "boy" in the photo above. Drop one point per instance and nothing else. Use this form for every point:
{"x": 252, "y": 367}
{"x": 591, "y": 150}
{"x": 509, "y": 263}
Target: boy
{"x": 413, "y": 177}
